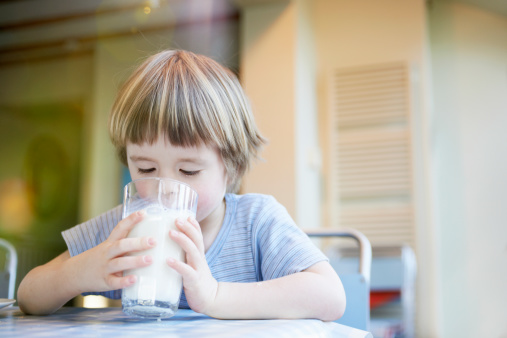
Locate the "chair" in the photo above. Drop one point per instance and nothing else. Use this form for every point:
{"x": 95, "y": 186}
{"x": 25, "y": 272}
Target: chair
{"x": 8, "y": 271}
{"x": 356, "y": 283}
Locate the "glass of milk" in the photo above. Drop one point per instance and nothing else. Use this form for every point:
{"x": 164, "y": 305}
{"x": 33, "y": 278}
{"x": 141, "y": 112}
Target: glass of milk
{"x": 156, "y": 294}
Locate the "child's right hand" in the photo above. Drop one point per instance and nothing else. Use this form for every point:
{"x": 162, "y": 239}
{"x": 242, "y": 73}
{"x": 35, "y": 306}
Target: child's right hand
{"x": 102, "y": 266}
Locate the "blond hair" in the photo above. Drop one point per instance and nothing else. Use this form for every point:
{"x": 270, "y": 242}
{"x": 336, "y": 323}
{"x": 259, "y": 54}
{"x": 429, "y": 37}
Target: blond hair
{"x": 190, "y": 99}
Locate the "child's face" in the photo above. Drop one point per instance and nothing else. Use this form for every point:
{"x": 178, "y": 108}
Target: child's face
{"x": 200, "y": 167}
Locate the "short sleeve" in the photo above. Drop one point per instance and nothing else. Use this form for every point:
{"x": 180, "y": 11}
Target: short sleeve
{"x": 282, "y": 248}
{"x": 89, "y": 234}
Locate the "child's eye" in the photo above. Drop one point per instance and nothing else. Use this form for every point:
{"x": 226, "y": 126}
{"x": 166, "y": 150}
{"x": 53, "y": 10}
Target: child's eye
{"x": 189, "y": 172}
{"x": 145, "y": 171}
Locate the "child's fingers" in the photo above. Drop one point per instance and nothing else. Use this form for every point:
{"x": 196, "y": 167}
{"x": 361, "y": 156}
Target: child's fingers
{"x": 115, "y": 282}
{"x": 186, "y": 271}
{"x": 122, "y": 229}
{"x": 192, "y": 253}
{"x": 121, "y": 264}
{"x": 191, "y": 228}
{"x": 126, "y": 245}
{"x": 195, "y": 224}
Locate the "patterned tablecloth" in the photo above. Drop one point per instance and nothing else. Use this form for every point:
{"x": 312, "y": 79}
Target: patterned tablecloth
{"x": 82, "y": 322}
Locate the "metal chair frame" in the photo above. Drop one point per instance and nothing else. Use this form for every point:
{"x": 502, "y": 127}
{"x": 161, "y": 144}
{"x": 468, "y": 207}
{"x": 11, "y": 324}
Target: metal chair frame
{"x": 357, "y": 286}
{"x": 11, "y": 264}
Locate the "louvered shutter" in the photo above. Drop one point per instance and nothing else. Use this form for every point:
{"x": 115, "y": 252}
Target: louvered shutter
{"x": 371, "y": 159}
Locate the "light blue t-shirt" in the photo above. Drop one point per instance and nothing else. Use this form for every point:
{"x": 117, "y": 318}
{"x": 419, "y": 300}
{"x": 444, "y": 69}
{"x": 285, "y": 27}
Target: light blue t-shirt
{"x": 258, "y": 241}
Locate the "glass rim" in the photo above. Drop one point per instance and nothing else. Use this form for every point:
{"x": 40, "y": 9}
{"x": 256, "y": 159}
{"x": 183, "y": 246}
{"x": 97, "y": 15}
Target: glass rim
{"x": 161, "y": 179}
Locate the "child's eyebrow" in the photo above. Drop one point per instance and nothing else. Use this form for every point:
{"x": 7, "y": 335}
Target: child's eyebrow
{"x": 140, "y": 158}
{"x": 135, "y": 158}
{"x": 191, "y": 160}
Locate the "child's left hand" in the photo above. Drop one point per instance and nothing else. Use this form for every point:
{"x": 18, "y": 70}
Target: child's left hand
{"x": 199, "y": 285}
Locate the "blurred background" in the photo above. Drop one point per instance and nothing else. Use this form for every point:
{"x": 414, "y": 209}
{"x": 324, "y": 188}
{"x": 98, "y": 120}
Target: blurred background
{"x": 386, "y": 116}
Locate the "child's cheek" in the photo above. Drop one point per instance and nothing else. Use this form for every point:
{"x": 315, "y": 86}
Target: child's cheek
{"x": 206, "y": 204}
{"x": 202, "y": 208}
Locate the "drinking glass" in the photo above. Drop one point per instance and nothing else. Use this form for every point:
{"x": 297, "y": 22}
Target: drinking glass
{"x": 156, "y": 294}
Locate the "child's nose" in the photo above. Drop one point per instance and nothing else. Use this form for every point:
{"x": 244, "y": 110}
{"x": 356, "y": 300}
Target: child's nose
{"x": 168, "y": 174}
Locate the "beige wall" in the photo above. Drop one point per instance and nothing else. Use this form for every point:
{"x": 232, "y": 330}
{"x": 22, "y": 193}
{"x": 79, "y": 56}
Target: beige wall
{"x": 469, "y": 147}
{"x": 278, "y": 74}
{"x": 267, "y": 74}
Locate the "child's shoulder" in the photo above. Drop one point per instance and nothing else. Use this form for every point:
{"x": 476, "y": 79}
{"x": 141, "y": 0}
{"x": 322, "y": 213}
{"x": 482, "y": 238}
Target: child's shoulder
{"x": 258, "y": 212}
{"x": 253, "y": 199}
{"x": 254, "y": 204}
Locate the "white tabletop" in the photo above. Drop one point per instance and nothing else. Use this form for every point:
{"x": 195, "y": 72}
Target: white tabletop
{"x": 82, "y": 322}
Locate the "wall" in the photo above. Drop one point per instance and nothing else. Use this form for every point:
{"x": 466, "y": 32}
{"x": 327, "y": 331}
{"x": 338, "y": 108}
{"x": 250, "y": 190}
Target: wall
{"x": 309, "y": 180}
{"x": 278, "y": 74}
{"x": 267, "y": 75}
{"x": 363, "y": 33}
{"x": 469, "y": 143}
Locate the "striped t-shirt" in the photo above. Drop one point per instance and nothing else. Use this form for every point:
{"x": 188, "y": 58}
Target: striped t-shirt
{"x": 258, "y": 241}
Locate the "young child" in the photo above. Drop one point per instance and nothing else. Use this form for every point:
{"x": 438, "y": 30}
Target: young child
{"x": 184, "y": 116}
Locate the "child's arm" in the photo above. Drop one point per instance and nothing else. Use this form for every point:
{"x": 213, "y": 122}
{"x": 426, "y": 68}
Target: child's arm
{"x": 48, "y": 287}
{"x": 316, "y": 292}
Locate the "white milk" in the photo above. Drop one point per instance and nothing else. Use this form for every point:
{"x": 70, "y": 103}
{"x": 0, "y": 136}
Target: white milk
{"x": 157, "y": 281}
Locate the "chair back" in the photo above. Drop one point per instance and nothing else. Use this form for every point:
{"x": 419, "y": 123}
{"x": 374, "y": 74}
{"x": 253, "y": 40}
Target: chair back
{"x": 8, "y": 267}
{"x": 356, "y": 283}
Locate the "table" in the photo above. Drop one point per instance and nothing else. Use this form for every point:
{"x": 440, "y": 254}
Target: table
{"x": 111, "y": 322}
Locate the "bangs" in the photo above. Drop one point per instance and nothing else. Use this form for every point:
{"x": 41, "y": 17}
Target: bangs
{"x": 172, "y": 101}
